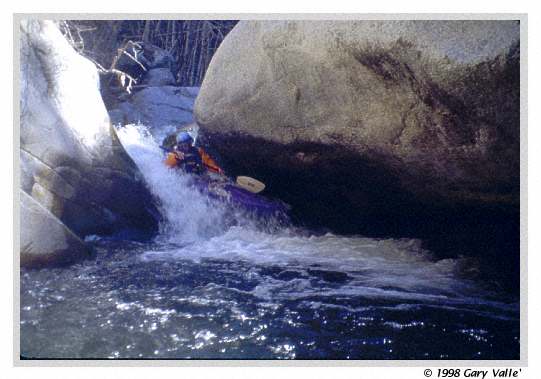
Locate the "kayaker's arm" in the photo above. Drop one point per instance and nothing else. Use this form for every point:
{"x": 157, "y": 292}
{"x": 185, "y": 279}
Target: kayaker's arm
{"x": 173, "y": 159}
{"x": 209, "y": 163}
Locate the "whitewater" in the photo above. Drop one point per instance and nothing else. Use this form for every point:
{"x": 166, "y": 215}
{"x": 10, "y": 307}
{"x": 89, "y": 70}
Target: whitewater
{"x": 216, "y": 284}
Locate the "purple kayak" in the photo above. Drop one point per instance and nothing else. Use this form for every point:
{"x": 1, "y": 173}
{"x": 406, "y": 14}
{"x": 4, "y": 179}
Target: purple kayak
{"x": 229, "y": 193}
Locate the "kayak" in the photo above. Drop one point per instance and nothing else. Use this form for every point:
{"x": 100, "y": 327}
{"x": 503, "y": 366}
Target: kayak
{"x": 241, "y": 195}
{"x": 224, "y": 190}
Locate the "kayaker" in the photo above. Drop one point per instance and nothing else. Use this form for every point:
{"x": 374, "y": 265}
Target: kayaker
{"x": 183, "y": 154}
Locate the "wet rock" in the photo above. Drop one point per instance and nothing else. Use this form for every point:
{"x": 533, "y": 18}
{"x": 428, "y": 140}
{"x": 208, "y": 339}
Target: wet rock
{"x": 72, "y": 163}
{"x": 371, "y": 125}
{"x": 45, "y": 240}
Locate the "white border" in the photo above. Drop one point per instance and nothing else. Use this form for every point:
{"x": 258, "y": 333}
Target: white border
{"x": 524, "y": 340}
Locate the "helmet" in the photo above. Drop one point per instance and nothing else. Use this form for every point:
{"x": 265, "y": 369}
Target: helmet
{"x": 184, "y": 137}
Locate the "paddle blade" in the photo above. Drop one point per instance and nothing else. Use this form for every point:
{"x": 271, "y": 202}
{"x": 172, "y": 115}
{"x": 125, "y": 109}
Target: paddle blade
{"x": 250, "y": 184}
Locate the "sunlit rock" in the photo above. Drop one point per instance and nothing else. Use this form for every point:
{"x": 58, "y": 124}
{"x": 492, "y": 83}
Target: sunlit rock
{"x": 156, "y": 107}
{"x": 72, "y": 163}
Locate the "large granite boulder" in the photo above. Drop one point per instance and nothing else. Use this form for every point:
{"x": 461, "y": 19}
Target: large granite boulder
{"x": 72, "y": 163}
{"x": 368, "y": 124}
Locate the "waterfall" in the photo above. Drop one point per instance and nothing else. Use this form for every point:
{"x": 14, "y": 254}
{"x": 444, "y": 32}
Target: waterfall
{"x": 188, "y": 215}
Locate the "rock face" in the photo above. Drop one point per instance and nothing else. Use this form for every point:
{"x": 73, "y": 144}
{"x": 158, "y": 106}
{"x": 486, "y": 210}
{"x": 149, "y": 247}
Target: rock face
{"x": 367, "y": 123}
{"x": 74, "y": 170}
{"x": 45, "y": 240}
{"x": 156, "y": 106}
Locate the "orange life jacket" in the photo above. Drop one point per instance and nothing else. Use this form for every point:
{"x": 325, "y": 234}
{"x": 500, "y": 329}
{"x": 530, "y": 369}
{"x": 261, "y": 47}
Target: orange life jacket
{"x": 171, "y": 160}
{"x": 209, "y": 163}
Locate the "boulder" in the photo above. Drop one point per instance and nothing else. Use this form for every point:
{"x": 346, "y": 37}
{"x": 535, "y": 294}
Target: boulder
{"x": 363, "y": 125}
{"x": 45, "y": 240}
{"x": 159, "y": 77}
{"x": 71, "y": 161}
{"x": 157, "y": 107}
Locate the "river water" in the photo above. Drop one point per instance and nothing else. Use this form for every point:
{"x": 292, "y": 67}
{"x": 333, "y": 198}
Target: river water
{"x": 218, "y": 285}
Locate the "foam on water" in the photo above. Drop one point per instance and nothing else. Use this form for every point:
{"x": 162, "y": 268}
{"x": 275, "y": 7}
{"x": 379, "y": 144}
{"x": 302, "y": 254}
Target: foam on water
{"x": 386, "y": 268}
{"x": 198, "y": 230}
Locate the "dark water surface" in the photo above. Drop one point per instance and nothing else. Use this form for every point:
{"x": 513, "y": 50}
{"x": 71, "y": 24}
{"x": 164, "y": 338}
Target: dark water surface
{"x": 147, "y": 301}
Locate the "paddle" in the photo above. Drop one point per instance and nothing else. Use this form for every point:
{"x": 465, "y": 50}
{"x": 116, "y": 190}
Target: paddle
{"x": 250, "y": 184}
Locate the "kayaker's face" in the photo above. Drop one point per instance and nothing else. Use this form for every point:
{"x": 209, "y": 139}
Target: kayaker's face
{"x": 183, "y": 146}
